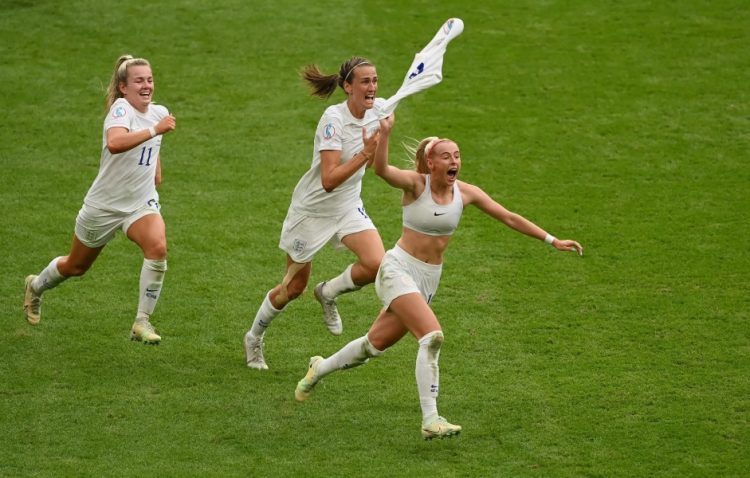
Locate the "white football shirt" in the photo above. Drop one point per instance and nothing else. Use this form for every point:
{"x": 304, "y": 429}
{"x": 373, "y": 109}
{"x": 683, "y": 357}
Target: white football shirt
{"x": 337, "y": 130}
{"x": 126, "y": 180}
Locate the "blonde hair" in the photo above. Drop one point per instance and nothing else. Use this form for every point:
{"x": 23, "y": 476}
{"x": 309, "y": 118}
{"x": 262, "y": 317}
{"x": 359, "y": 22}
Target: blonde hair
{"x": 120, "y": 75}
{"x": 323, "y": 85}
{"x": 419, "y": 152}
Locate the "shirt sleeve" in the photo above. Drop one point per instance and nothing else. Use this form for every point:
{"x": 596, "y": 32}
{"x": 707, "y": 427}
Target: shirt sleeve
{"x": 119, "y": 116}
{"x": 162, "y": 111}
{"x": 329, "y": 133}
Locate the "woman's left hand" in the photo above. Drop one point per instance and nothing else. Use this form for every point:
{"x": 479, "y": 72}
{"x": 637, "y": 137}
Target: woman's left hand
{"x": 568, "y": 245}
{"x": 386, "y": 124}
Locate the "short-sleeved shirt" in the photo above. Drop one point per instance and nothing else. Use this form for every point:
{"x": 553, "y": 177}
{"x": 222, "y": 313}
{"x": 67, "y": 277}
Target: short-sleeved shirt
{"x": 126, "y": 180}
{"x": 337, "y": 130}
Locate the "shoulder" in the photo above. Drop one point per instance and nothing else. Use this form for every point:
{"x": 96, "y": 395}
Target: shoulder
{"x": 470, "y": 192}
{"x": 159, "y": 110}
{"x": 121, "y": 113}
{"x": 330, "y": 122}
{"x": 120, "y": 108}
{"x": 334, "y": 112}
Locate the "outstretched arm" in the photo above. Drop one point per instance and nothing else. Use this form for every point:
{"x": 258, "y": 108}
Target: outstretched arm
{"x": 396, "y": 177}
{"x": 476, "y": 196}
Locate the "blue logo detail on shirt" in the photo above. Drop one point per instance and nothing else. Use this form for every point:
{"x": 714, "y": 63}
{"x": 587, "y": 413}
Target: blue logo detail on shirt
{"x": 418, "y": 71}
{"x": 329, "y": 131}
{"x": 119, "y": 112}
{"x": 448, "y": 26}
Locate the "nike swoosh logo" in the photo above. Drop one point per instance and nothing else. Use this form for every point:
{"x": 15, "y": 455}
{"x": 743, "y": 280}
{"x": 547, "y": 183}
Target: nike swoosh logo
{"x": 441, "y": 214}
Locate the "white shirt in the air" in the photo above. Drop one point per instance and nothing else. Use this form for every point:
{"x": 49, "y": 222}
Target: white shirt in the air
{"x": 126, "y": 180}
{"x": 337, "y": 130}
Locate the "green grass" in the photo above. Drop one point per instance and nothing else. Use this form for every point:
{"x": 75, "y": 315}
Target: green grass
{"x": 621, "y": 124}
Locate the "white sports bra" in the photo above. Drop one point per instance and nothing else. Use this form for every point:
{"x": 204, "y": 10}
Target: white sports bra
{"x": 428, "y": 217}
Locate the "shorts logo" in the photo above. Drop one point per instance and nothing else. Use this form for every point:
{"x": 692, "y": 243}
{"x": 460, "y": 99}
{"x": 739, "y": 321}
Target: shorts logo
{"x": 119, "y": 112}
{"x": 329, "y": 131}
{"x": 299, "y": 245}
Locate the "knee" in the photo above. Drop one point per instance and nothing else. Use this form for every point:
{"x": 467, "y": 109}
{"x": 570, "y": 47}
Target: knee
{"x": 370, "y": 269}
{"x": 433, "y": 341}
{"x": 157, "y": 250}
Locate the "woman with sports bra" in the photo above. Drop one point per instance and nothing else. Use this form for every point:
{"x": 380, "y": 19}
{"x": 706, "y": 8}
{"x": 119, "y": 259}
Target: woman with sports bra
{"x": 433, "y": 201}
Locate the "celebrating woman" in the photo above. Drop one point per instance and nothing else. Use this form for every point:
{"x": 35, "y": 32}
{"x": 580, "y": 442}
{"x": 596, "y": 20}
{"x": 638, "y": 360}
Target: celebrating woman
{"x": 408, "y": 277}
{"x": 326, "y": 205}
{"x": 122, "y": 197}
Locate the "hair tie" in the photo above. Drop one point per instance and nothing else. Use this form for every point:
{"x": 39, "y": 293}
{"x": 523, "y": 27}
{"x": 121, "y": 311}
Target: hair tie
{"x": 363, "y": 62}
{"x": 430, "y": 145}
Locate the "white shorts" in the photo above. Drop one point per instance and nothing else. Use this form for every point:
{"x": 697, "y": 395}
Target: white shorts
{"x": 96, "y": 227}
{"x": 400, "y": 273}
{"x": 303, "y": 236}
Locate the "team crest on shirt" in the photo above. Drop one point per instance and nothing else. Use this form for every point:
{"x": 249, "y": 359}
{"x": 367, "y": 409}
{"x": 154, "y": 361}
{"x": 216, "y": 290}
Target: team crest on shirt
{"x": 119, "y": 112}
{"x": 329, "y": 131}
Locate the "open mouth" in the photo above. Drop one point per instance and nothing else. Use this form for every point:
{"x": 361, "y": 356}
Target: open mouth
{"x": 452, "y": 173}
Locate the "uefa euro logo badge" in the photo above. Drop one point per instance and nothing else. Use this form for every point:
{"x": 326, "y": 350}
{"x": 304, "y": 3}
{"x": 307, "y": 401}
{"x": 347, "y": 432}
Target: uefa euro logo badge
{"x": 329, "y": 131}
{"x": 119, "y": 112}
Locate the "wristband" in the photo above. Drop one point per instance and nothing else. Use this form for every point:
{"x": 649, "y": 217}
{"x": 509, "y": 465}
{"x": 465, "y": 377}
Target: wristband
{"x": 549, "y": 239}
{"x": 152, "y": 131}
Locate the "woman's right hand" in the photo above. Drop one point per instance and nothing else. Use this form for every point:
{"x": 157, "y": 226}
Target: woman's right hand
{"x": 166, "y": 124}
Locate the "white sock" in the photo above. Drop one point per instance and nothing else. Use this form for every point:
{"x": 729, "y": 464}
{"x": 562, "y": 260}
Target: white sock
{"x": 264, "y": 316}
{"x": 355, "y": 353}
{"x": 152, "y": 278}
{"x": 340, "y": 284}
{"x": 428, "y": 373}
{"x": 49, "y": 278}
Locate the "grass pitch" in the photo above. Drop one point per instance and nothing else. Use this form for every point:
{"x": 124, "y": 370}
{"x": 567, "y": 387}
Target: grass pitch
{"x": 622, "y": 125}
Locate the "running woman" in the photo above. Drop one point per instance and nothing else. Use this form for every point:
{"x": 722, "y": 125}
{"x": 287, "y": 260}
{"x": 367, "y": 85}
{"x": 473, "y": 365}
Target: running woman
{"x": 408, "y": 277}
{"x": 122, "y": 197}
{"x": 326, "y": 206}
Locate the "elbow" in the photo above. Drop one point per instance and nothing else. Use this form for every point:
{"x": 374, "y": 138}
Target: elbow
{"x": 114, "y": 148}
{"x": 328, "y": 186}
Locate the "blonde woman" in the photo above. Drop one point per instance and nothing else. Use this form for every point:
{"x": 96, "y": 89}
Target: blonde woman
{"x": 433, "y": 202}
{"x": 122, "y": 197}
